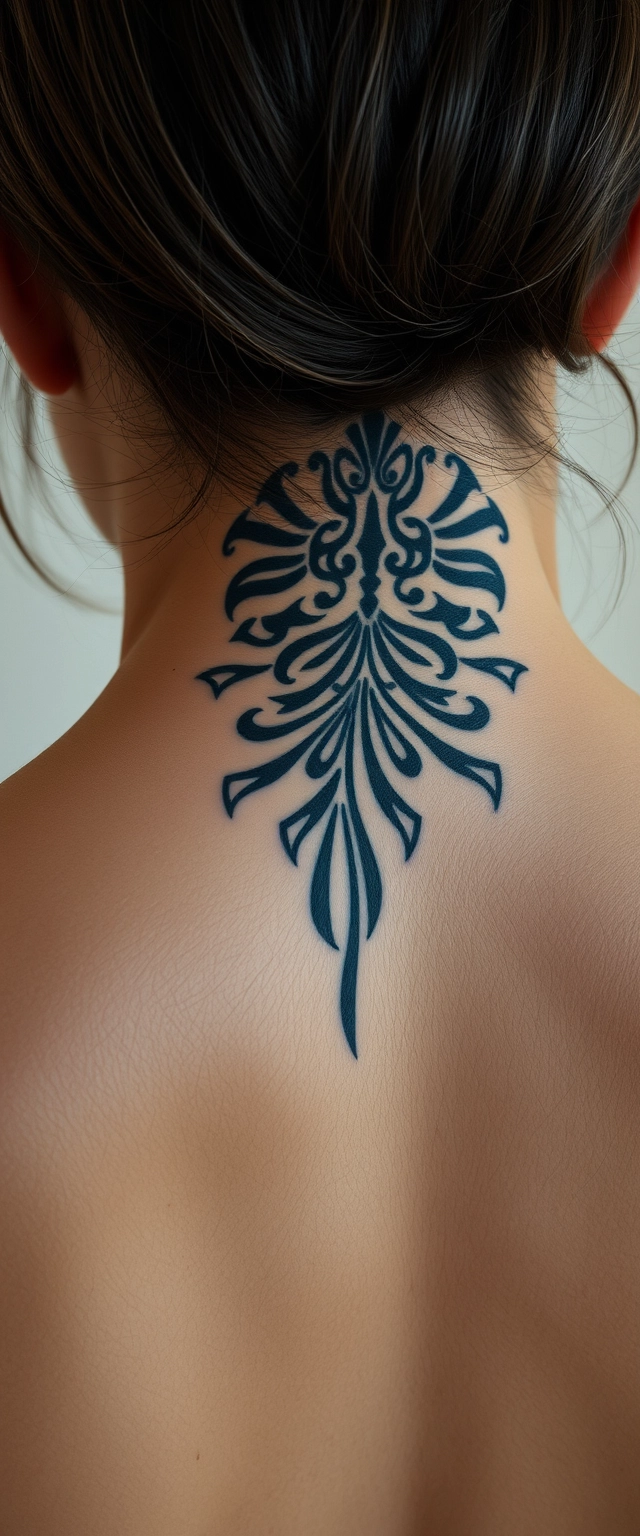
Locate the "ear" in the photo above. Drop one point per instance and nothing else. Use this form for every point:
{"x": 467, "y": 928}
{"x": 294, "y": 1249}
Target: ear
{"x": 613, "y": 291}
{"x": 33, "y": 321}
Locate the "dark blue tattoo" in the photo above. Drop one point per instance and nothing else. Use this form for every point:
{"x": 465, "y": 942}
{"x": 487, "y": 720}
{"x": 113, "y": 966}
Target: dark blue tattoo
{"x": 353, "y": 686}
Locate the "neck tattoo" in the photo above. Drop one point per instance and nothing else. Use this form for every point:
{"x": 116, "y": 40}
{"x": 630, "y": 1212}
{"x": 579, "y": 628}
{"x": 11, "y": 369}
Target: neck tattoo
{"x": 352, "y": 688}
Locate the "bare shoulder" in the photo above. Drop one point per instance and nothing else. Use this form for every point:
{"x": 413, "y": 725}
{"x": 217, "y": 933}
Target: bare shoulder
{"x": 132, "y": 910}
{"x": 571, "y": 864}
{"x": 105, "y": 848}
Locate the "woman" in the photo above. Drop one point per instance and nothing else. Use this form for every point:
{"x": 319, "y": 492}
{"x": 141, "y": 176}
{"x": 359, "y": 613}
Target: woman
{"x": 320, "y": 1051}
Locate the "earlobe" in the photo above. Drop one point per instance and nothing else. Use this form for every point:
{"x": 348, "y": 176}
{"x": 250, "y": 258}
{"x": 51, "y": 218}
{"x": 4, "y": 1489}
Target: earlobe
{"x": 33, "y": 322}
{"x": 614, "y": 290}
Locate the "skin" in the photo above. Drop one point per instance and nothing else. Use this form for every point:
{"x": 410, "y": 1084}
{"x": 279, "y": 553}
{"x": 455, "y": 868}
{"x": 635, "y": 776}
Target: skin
{"x": 246, "y": 1283}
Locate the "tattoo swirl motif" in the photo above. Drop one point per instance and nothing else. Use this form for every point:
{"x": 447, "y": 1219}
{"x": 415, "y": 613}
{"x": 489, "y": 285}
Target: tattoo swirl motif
{"x": 346, "y": 685}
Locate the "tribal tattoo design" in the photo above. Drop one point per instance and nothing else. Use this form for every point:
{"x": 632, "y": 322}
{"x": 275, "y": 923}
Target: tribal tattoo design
{"x": 352, "y": 690}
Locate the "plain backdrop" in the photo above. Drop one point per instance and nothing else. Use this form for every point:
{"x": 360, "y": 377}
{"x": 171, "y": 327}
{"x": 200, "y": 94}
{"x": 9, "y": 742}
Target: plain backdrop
{"x": 56, "y": 655}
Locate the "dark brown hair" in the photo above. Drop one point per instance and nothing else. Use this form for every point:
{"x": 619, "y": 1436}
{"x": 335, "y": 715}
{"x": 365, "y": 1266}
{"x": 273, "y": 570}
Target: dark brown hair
{"x": 321, "y": 205}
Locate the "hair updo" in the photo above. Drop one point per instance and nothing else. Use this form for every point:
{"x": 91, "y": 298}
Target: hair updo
{"x": 323, "y": 205}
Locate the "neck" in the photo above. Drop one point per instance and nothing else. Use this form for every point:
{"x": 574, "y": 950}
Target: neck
{"x": 181, "y": 578}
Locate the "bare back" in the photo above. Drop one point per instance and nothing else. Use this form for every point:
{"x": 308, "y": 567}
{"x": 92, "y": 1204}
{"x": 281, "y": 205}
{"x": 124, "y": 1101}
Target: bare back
{"x": 251, "y": 1281}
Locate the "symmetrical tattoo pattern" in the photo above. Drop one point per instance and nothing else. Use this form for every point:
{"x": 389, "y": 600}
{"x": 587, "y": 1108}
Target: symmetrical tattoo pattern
{"x": 351, "y": 690}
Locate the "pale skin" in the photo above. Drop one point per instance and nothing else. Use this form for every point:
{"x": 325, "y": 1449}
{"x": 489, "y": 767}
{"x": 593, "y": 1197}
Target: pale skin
{"x": 248, "y": 1284}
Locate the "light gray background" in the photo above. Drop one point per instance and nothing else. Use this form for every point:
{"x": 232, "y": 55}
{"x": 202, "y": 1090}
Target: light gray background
{"x": 56, "y": 656}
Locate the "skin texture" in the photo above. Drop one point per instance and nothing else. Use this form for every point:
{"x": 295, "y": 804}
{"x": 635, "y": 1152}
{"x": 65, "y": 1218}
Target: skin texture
{"x": 248, "y": 1284}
